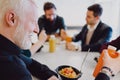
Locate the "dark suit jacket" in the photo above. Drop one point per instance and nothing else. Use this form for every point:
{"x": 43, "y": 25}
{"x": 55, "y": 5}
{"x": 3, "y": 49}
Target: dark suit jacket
{"x": 115, "y": 43}
{"x": 102, "y": 34}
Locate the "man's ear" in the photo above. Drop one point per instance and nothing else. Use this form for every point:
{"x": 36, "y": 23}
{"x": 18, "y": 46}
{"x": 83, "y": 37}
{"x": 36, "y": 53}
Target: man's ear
{"x": 97, "y": 17}
{"x": 11, "y": 18}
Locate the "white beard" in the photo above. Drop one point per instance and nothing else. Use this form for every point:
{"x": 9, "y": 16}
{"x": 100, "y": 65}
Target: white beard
{"x": 22, "y": 38}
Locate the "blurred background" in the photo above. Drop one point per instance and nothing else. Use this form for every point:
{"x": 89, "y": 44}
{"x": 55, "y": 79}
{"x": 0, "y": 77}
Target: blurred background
{"x": 74, "y": 13}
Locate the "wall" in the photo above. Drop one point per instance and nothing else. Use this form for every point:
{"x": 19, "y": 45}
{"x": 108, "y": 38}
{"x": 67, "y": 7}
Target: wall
{"x": 74, "y": 12}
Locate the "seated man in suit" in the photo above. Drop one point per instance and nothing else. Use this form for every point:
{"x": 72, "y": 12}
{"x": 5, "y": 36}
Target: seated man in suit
{"x": 51, "y": 22}
{"x": 94, "y": 33}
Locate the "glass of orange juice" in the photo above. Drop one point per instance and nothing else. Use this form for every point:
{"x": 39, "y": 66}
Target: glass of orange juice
{"x": 68, "y": 39}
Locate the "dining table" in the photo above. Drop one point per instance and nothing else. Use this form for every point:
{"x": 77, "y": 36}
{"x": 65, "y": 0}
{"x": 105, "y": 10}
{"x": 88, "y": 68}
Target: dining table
{"x": 83, "y": 61}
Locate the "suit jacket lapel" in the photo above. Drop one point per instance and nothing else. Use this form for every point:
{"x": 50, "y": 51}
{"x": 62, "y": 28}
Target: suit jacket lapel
{"x": 95, "y": 32}
{"x": 85, "y": 33}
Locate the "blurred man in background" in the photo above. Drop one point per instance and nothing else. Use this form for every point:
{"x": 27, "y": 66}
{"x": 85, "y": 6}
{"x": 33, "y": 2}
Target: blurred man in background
{"x": 50, "y": 21}
{"x": 94, "y": 33}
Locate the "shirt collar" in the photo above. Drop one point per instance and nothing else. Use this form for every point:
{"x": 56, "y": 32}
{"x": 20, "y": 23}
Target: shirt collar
{"x": 8, "y": 46}
{"x": 93, "y": 28}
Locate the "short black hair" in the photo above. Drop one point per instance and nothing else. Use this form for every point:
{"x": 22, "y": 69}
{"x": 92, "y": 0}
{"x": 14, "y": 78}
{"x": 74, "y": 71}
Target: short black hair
{"x": 49, "y": 5}
{"x": 97, "y": 9}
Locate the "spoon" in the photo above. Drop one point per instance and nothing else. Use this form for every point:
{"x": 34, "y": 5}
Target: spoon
{"x": 84, "y": 60}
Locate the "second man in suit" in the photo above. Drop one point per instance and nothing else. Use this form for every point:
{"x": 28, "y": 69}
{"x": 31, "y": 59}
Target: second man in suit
{"x": 94, "y": 33}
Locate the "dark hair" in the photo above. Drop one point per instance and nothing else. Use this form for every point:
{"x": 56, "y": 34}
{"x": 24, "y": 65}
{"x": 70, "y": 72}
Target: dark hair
{"x": 97, "y": 9}
{"x": 49, "y": 5}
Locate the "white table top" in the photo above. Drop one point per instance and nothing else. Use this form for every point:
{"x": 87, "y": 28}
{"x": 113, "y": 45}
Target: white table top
{"x": 73, "y": 58}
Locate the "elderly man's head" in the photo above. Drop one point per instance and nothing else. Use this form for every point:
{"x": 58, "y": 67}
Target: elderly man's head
{"x": 18, "y": 20}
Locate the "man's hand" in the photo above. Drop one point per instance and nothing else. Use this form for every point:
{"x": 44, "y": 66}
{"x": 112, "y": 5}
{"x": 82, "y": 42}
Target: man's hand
{"x": 70, "y": 46}
{"x": 53, "y": 78}
{"x": 112, "y": 63}
{"x": 63, "y": 34}
{"x": 42, "y": 37}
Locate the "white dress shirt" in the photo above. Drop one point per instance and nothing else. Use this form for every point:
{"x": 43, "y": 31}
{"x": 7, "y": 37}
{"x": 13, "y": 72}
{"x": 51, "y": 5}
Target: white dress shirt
{"x": 90, "y": 32}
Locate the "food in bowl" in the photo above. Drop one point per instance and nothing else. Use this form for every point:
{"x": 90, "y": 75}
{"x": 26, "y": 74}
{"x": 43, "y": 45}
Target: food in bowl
{"x": 68, "y": 72}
